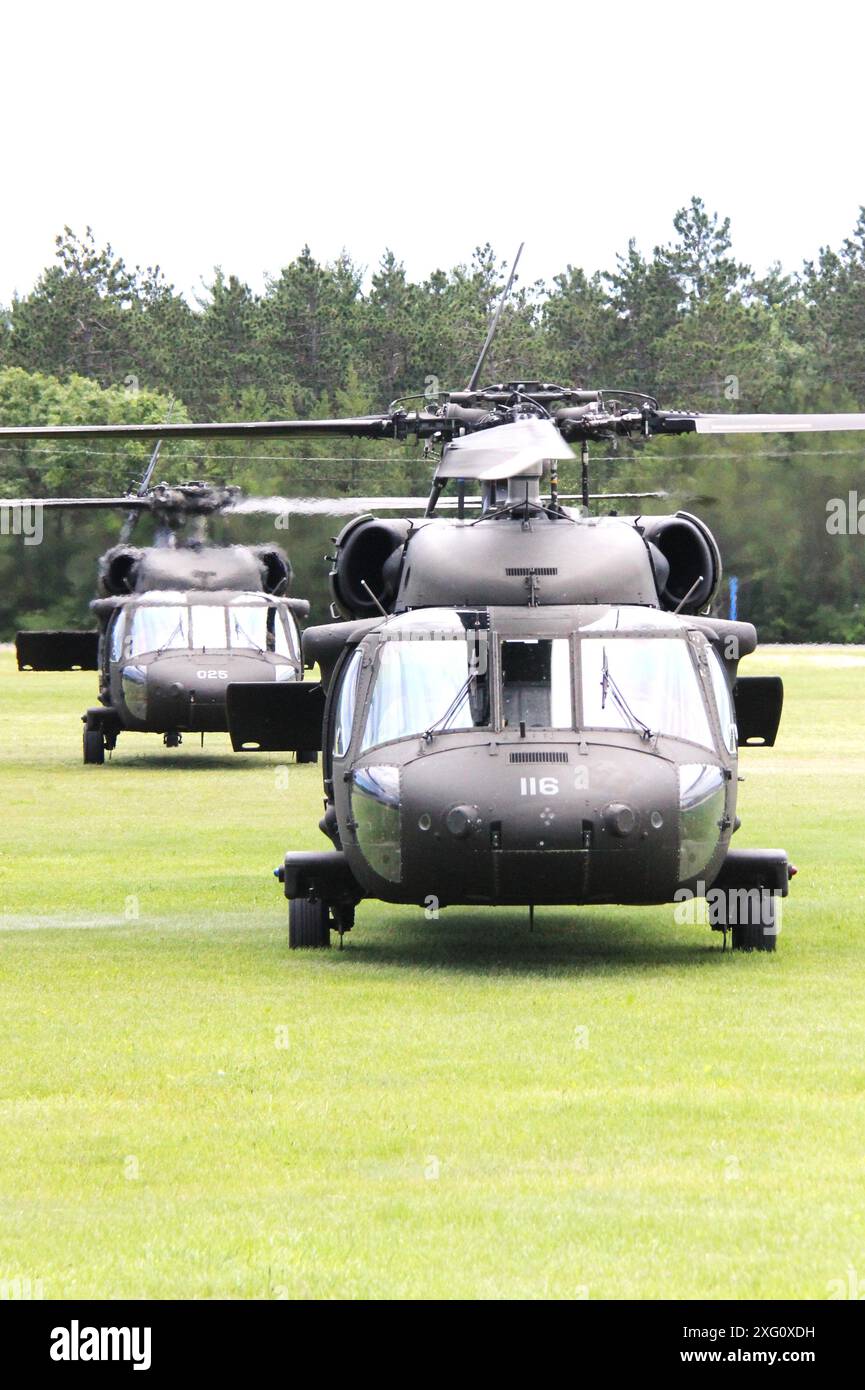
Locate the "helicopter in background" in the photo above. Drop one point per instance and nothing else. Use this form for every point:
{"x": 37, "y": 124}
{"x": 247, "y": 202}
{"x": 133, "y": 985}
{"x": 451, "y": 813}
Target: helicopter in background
{"x": 177, "y": 621}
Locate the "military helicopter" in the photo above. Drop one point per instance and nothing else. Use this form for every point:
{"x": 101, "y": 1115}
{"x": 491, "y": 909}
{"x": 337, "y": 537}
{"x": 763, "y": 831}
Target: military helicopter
{"x": 177, "y": 620}
{"x": 525, "y": 706}
{"x": 519, "y": 703}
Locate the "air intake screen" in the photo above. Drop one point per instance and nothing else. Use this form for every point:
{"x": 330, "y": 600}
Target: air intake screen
{"x": 541, "y": 755}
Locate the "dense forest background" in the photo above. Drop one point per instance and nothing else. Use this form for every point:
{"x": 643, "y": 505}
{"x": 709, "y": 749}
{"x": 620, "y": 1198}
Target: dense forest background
{"x": 97, "y": 340}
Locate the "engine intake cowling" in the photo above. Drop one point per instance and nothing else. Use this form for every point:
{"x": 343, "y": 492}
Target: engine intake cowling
{"x": 276, "y": 572}
{"x": 118, "y": 570}
{"x": 368, "y": 550}
{"x": 685, "y": 554}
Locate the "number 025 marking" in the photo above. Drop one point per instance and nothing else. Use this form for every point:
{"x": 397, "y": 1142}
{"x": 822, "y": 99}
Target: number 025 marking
{"x": 539, "y": 786}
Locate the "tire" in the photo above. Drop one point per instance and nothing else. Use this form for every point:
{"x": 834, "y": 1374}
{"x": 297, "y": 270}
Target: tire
{"x": 308, "y": 755}
{"x": 308, "y": 924}
{"x": 94, "y": 746}
{"x": 759, "y": 931}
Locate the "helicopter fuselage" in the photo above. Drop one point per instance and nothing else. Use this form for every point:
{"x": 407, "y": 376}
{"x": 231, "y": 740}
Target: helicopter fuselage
{"x": 569, "y": 754}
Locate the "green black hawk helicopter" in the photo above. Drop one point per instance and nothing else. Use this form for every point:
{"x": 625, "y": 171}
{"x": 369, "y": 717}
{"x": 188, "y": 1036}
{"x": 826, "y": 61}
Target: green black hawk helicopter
{"x": 519, "y": 703}
{"x": 177, "y": 620}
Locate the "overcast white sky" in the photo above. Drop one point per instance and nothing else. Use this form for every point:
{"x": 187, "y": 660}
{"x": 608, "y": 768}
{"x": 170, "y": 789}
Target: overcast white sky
{"x": 201, "y": 134}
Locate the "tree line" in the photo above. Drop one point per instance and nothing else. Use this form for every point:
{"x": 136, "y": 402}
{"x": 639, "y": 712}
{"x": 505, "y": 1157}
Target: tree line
{"x": 97, "y": 339}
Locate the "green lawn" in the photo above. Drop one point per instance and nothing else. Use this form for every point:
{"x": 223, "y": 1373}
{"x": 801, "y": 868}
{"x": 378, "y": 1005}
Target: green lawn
{"x": 610, "y": 1106}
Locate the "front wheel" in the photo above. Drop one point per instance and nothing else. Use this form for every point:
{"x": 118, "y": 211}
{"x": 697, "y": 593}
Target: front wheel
{"x": 94, "y": 746}
{"x": 308, "y": 755}
{"x": 308, "y": 923}
{"x": 754, "y": 920}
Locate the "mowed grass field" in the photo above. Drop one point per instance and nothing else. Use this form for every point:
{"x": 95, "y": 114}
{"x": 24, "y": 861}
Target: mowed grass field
{"x": 607, "y": 1108}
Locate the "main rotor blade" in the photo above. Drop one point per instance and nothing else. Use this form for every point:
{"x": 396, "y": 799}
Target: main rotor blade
{"x": 103, "y": 503}
{"x": 362, "y": 426}
{"x": 132, "y": 517}
{"x": 322, "y": 506}
{"x": 353, "y": 506}
{"x": 573, "y": 423}
{"x": 297, "y": 506}
{"x": 679, "y": 422}
{"x": 611, "y": 496}
{"x": 144, "y": 484}
{"x": 479, "y": 365}
{"x": 776, "y": 424}
{"x": 246, "y": 506}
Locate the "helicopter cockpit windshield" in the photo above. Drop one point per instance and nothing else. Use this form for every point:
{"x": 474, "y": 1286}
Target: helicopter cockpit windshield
{"x": 432, "y": 676}
{"x": 156, "y": 623}
{"x": 647, "y": 684}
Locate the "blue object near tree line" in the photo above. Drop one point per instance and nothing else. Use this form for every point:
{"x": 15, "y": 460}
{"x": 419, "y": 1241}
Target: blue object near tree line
{"x": 734, "y": 596}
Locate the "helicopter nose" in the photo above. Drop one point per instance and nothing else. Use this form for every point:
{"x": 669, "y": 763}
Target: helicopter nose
{"x": 185, "y": 696}
{"x": 168, "y": 700}
{"x": 601, "y": 825}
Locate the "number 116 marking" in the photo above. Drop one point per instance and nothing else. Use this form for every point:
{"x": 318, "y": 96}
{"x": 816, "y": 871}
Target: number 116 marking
{"x": 539, "y": 786}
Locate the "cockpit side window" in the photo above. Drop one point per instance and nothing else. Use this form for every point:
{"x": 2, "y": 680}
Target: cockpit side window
{"x": 115, "y": 640}
{"x": 536, "y": 683}
{"x": 285, "y": 634}
{"x": 723, "y": 700}
{"x": 346, "y": 706}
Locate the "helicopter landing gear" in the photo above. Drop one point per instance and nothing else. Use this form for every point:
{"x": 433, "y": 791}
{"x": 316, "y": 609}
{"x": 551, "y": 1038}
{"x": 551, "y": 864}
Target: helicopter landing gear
{"x": 760, "y": 932}
{"x": 308, "y": 755}
{"x": 751, "y": 917}
{"x": 94, "y": 745}
{"x": 172, "y": 739}
{"x": 101, "y": 727}
{"x": 745, "y": 898}
{"x": 308, "y": 923}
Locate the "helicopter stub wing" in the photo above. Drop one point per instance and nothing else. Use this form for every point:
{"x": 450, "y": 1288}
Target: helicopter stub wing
{"x": 758, "y": 701}
{"x": 57, "y": 651}
{"x": 275, "y": 716}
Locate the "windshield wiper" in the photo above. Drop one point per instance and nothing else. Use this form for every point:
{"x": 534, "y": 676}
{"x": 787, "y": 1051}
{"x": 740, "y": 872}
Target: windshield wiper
{"x": 610, "y": 687}
{"x": 456, "y": 703}
{"x": 239, "y": 628}
{"x": 178, "y": 627}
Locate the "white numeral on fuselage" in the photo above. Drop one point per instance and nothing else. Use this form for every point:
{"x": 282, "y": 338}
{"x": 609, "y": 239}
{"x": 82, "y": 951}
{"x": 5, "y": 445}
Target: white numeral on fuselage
{"x": 539, "y": 786}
